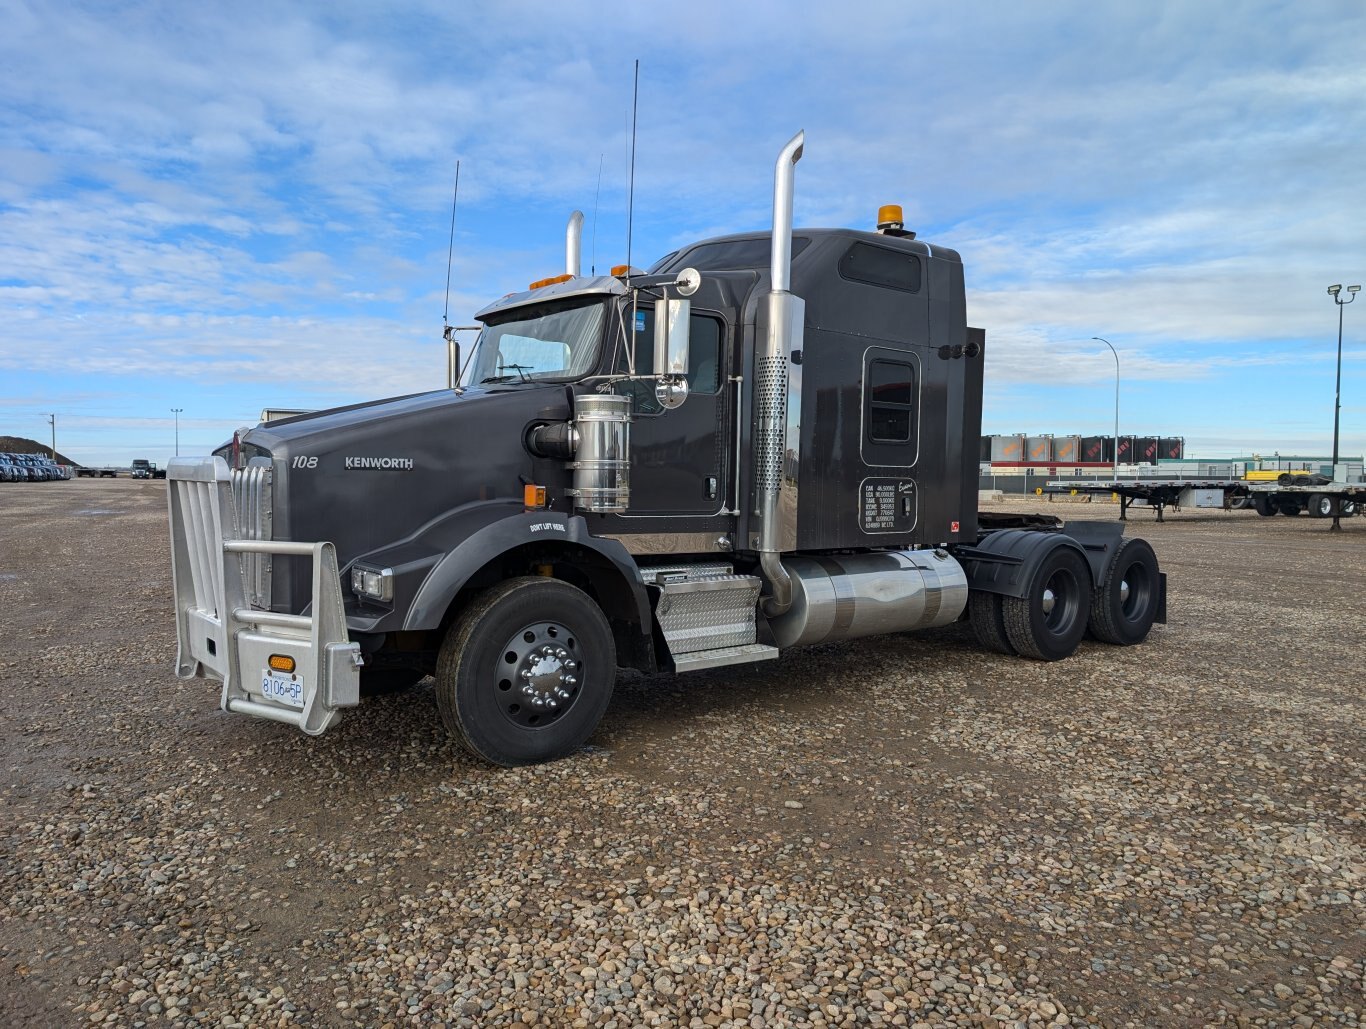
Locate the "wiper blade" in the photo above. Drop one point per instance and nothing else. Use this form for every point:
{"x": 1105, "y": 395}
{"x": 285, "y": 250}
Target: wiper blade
{"x": 520, "y": 369}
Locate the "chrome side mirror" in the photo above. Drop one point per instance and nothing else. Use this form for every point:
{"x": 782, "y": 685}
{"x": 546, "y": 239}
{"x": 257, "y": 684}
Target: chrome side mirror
{"x": 671, "y": 391}
{"x": 671, "y": 350}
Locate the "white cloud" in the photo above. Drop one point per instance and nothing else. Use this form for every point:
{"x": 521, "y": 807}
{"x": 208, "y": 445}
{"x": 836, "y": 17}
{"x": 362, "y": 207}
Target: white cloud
{"x": 209, "y": 194}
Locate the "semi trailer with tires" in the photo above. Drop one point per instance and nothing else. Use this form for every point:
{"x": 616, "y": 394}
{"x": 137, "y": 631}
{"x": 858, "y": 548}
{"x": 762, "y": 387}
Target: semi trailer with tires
{"x": 1290, "y": 493}
{"x": 764, "y": 442}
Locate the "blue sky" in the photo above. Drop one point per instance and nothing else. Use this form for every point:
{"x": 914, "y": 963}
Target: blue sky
{"x": 230, "y": 207}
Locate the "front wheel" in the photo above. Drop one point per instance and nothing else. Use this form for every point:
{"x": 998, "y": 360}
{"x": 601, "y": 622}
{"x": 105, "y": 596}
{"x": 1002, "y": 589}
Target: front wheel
{"x": 1050, "y": 620}
{"x": 526, "y": 672}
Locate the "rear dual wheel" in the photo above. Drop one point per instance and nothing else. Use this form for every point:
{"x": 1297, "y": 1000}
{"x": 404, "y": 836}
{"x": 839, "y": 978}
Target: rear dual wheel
{"x": 1124, "y": 605}
{"x": 1050, "y": 620}
{"x": 526, "y": 672}
{"x": 988, "y": 621}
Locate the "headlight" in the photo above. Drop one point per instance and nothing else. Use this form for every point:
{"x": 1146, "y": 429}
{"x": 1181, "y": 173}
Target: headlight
{"x": 373, "y": 583}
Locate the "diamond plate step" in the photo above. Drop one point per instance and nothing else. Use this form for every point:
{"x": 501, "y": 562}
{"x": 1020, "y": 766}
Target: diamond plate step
{"x": 658, "y": 575}
{"x": 707, "y": 613}
{"x": 724, "y": 656}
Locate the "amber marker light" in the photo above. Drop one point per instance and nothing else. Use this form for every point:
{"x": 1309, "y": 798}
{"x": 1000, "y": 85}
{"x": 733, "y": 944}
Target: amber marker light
{"x": 554, "y": 280}
{"x": 281, "y": 663}
{"x": 533, "y": 496}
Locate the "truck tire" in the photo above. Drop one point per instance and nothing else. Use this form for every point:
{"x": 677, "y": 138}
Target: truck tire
{"x": 1320, "y": 505}
{"x": 1289, "y": 508}
{"x": 526, "y": 672}
{"x": 988, "y": 622}
{"x": 1264, "y": 506}
{"x": 1050, "y": 620}
{"x": 1124, "y": 605}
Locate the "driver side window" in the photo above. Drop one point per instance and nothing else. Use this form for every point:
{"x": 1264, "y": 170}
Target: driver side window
{"x": 704, "y": 359}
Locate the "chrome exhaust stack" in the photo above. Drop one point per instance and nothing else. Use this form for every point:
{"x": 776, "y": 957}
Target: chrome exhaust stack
{"x": 780, "y": 333}
{"x": 573, "y": 244}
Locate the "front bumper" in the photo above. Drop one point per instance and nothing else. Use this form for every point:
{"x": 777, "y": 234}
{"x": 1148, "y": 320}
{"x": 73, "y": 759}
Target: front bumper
{"x": 221, "y": 635}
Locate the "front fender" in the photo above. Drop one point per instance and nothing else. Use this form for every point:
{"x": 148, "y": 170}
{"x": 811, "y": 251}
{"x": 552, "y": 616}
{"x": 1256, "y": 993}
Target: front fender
{"x": 507, "y": 532}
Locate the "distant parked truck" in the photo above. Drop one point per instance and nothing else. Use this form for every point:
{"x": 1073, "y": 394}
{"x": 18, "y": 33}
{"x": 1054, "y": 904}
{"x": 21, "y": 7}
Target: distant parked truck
{"x": 144, "y": 469}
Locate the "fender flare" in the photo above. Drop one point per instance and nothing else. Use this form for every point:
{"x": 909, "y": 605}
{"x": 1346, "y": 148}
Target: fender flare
{"x": 1005, "y": 561}
{"x": 506, "y": 531}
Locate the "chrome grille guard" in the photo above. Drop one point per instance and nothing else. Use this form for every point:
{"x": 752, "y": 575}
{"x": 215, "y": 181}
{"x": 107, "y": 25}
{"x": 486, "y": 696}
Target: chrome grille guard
{"x": 221, "y": 635}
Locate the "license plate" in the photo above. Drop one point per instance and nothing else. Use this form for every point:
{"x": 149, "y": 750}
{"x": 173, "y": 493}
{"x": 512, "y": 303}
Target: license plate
{"x": 282, "y": 688}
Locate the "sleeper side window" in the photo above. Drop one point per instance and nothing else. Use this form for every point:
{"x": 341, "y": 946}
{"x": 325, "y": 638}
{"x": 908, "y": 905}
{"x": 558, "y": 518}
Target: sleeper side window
{"x": 891, "y": 418}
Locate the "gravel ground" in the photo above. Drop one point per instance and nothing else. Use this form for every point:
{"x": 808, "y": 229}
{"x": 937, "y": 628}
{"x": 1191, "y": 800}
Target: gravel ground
{"x": 901, "y": 831}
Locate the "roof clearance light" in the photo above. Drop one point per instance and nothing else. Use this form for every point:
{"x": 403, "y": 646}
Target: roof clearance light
{"x": 890, "y": 214}
{"x": 554, "y": 280}
{"x": 618, "y": 270}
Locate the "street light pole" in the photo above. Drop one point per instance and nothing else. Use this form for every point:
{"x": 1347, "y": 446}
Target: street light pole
{"x": 1116, "y": 353}
{"x": 1335, "y": 292}
{"x": 52, "y": 421}
{"x": 176, "y": 411}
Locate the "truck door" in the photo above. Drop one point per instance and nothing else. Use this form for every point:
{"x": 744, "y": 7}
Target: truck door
{"x": 678, "y": 457}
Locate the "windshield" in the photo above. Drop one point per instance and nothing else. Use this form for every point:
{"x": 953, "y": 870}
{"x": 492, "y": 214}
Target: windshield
{"x": 556, "y": 342}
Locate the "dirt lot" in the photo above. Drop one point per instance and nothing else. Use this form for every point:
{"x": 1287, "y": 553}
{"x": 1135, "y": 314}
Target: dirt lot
{"x": 898, "y": 831}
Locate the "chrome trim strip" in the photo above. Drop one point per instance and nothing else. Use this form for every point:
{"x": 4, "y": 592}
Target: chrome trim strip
{"x": 669, "y": 542}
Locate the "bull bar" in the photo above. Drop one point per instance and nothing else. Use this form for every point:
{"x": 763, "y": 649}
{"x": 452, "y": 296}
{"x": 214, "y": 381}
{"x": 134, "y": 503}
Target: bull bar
{"x": 219, "y": 633}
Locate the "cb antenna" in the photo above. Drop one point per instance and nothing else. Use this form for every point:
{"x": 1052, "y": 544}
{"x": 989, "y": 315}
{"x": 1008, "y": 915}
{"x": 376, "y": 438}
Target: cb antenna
{"x": 450, "y": 253}
{"x": 631, "y": 188}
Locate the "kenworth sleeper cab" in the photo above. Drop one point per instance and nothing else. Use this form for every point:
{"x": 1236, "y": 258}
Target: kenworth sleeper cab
{"x": 767, "y": 441}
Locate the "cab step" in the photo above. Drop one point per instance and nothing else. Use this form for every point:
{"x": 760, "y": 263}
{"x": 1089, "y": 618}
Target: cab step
{"x": 708, "y": 619}
{"x": 721, "y": 656}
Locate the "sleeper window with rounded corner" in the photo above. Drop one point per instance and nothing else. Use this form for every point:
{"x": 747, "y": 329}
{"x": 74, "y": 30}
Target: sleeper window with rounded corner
{"x": 891, "y": 402}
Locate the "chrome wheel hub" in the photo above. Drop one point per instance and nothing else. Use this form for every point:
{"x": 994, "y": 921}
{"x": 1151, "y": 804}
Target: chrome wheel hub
{"x": 1049, "y": 599}
{"x": 539, "y": 674}
{"x": 1124, "y": 591}
{"x": 548, "y": 676}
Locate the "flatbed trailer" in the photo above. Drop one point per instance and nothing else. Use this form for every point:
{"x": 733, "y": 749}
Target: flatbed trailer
{"x": 1333, "y": 500}
{"x": 103, "y": 473}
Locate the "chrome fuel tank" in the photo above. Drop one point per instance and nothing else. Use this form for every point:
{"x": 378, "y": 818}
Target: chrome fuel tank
{"x": 850, "y": 595}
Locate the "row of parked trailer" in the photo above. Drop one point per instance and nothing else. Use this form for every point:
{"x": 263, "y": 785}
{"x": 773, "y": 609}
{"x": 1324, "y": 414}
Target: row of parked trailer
{"x": 31, "y": 468}
{"x": 1021, "y": 449}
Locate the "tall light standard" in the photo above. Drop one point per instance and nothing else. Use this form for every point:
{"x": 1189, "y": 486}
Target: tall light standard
{"x": 1098, "y": 339}
{"x": 176, "y": 411}
{"x": 1335, "y": 292}
{"x": 52, "y": 421}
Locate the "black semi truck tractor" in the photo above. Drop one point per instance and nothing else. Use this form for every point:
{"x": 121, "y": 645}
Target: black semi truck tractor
{"x": 765, "y": 441}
